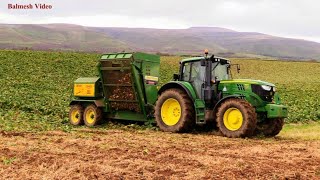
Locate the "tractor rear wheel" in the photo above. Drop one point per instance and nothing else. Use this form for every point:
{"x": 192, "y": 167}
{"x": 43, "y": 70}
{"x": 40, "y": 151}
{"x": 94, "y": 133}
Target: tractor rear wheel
{"x": 92, "y": 115}
{"x": 271, "y": 127}
{"x": 236, "y": 118}
{"x": 76, "y": 115}
{"x": 174, "y": 111}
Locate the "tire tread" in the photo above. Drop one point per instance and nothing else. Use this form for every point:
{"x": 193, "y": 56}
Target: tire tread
{"x": 187, "y": 119}
{"x": 249, "y": 115}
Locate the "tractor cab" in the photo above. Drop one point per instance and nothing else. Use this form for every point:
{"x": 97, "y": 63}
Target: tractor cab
{"x": 194, "y": 69}
{"x": 205, "y": 74}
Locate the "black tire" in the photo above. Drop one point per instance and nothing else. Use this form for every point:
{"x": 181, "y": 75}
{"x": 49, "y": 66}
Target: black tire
{"x": 249, "y": 118}
{"x": 187, "y": 115}
{"x": 271, "y": 127}
{"x": 92, "y": 115}
{"x": 76, "y": 115}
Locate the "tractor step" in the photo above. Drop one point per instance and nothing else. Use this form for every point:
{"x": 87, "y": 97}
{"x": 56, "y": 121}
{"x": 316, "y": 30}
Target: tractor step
{"x": 200, "y": 119}
{"x": 200, "y": 111}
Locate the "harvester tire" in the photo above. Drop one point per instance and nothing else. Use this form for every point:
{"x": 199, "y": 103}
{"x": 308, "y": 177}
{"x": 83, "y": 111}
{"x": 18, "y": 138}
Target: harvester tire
{"x": 76, "y": 115}
{"x": 92, "y": 115}
{"x": 236, "y": 118}
{"x": 271, "y": 127}
{"x": 174, "y": 111}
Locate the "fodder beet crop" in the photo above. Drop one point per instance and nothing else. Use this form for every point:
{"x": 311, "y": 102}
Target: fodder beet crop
{"x": 36, "y": 87}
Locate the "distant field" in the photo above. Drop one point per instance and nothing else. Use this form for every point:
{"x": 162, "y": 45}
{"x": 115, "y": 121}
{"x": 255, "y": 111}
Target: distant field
{"x": 36, "y": 87}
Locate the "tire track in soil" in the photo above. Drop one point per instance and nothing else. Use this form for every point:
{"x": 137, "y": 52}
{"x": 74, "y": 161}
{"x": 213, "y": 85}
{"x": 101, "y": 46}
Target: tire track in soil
{"x": 121, "y": 154}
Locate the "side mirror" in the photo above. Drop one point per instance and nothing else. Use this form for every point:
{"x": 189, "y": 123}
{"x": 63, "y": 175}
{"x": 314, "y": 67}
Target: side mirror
{"x": 176, "y": 77}
{"x": 238, "y": 68}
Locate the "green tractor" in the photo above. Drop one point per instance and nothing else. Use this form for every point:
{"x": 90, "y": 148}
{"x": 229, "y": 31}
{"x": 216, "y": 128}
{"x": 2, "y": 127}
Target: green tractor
{"x": 203, "y": 93}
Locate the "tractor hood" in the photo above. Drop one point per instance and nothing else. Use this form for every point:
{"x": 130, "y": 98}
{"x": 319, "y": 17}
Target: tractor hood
{"x": 246, "y": 81}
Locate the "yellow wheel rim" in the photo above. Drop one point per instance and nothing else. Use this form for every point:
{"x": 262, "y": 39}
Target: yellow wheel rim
{"x": 90, "y": 116}
{"x": 75, "y": 116}
{"x": 233, "y": 119}
{"x": 170, "y": 112}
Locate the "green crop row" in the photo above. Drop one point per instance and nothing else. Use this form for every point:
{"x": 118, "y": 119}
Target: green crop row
{"x": 36, "y": 87}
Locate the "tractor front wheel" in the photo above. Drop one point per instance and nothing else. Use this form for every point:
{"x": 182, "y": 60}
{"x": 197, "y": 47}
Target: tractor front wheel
{"x": 92, "y": 115}
{"x": 174, "y": 111}
{"x": 271, "y": 127}
{"x": 76, "y": 115}
{"x": 236, "y": 118}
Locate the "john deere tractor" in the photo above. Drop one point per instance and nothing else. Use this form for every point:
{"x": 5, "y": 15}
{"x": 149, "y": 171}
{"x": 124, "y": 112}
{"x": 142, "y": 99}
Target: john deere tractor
{"x": 202, "y": 93}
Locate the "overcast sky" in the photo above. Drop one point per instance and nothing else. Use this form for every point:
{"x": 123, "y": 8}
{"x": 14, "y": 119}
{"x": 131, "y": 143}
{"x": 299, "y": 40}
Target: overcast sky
{"x": 288, "y": 18}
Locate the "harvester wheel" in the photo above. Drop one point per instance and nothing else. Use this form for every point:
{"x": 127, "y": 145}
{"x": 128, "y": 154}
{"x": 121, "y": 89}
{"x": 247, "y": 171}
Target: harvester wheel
{"x": 92, "y": 115}
{"x": 271, "y": 127}
{"x": 236, "y": 118}
{"x": 76, "y": 115}
{"x": 174, "y": 111}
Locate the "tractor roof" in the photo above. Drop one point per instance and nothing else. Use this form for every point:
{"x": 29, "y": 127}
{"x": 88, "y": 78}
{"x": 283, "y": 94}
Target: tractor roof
{"x": 199, "y": 58}
{"x": 130, "y": 55}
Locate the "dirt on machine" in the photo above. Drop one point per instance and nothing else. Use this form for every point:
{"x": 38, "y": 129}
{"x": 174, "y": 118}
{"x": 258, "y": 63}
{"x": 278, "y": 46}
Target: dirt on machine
{"x": 201, "y": 93}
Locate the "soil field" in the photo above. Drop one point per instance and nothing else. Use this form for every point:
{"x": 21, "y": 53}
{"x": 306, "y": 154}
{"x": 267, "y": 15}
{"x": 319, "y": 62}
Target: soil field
{"x": 150, "y": 154}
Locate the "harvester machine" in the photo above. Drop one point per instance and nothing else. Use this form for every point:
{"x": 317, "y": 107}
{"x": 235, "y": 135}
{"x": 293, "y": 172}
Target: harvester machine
{"x": 202, "y": 93}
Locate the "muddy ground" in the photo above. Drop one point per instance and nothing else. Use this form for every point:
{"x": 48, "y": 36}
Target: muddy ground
{"x": 149, "y": 154}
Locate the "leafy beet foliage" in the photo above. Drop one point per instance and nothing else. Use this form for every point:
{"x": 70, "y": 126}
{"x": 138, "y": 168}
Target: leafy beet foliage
{"x": 36, "y": 87}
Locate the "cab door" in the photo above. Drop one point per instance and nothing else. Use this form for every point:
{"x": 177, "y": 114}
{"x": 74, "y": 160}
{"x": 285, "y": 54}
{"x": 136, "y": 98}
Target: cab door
{"x": 194, "y": 73}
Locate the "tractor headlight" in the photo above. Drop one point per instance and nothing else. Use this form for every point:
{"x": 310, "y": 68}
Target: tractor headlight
{"x": 265, "y": 87}
{"x": 274, "y": 89}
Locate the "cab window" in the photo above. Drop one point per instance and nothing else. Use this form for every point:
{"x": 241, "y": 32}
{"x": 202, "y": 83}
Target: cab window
{"x": 186, "y": 72}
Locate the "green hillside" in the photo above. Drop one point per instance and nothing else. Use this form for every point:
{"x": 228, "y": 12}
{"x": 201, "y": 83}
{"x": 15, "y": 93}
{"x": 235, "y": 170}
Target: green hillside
{"x": 57, "y": 37}
{"x": 173, "y": 41}
{"x": 37, "y": 86}
{"x": 217, "y": 40}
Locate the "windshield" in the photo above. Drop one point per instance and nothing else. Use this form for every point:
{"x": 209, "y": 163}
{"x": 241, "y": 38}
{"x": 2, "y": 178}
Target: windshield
{"x": 194, "y": 73}
{"x": 194, "y": 70}
{"x": 220, "y": 72}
